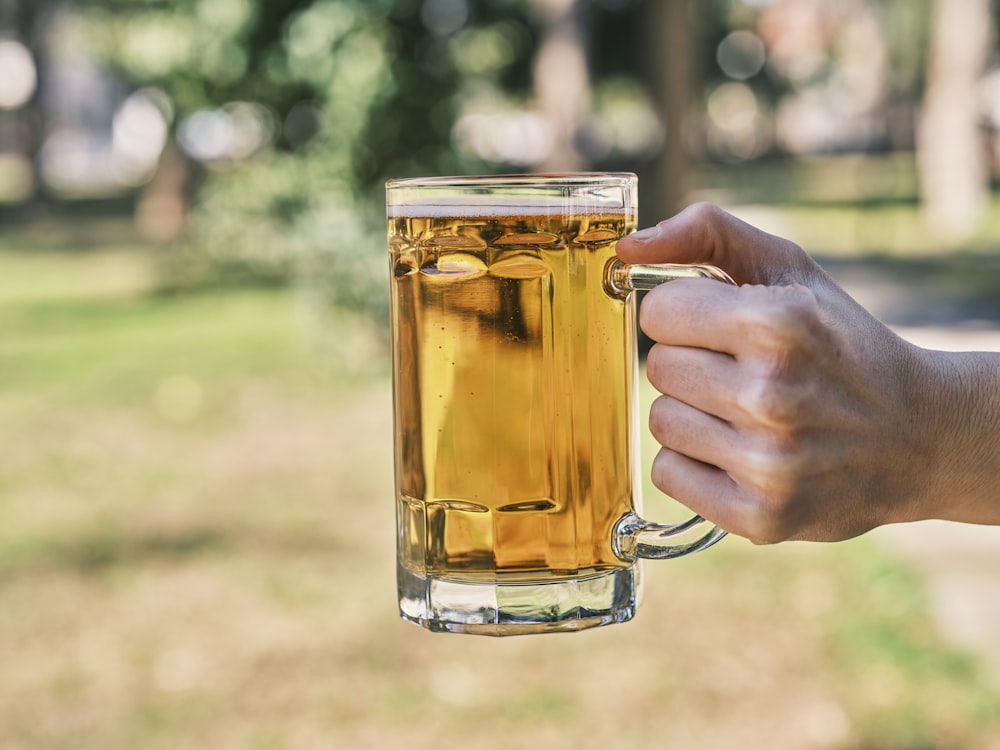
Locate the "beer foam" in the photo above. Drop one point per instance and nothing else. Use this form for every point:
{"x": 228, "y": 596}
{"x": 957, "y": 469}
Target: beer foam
{"x": 488, "y": 206}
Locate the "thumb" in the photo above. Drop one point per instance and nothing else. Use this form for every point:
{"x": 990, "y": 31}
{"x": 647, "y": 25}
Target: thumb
{"x": 704, "y": 233}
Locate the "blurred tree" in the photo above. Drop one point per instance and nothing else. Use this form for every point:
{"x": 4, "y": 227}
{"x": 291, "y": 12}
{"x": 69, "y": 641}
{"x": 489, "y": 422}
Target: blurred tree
{"x": 562, "y": 80}
{"x": 19, "y": 22}
{"x": 907, "y": 27}
{"x": 803, "y": 77}
{"x": 675, "y": 41}
{"x": 329, "y": 97}
{"x": 952, "y": 148}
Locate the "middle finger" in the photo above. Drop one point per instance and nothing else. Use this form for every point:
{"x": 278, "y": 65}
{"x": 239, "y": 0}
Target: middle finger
{"x": 703, "y": 379}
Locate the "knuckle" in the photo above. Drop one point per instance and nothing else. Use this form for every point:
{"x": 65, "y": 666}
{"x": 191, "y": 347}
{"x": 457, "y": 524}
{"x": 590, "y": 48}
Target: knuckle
{"x": 757, "y": 400}
{"x": 784, "y": 337}
{"x": 703, "y": 212}
{"x": 771, "y": 478}
{"x": 779, "y": 315}
{"x": 774, "y": 470}
{"x": 769, "y": 400}
{"x": 707, "y": 220}
{"x": 769, "y": 523}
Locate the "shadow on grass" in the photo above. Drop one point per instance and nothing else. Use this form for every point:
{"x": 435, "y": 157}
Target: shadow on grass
{"x": 101, "y": 551}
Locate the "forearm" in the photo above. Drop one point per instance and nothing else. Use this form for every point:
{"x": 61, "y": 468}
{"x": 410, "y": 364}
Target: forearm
{"x": 963, "y": 436}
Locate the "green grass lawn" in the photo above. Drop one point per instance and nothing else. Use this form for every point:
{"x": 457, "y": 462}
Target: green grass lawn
{"x": 196, "y": 551}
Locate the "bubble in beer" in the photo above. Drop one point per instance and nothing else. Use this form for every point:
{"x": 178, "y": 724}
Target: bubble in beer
{"x": 454, "y": 265}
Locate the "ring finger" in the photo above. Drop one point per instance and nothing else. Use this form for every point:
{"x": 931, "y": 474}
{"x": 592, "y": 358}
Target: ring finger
{"x": 691, "y": 432}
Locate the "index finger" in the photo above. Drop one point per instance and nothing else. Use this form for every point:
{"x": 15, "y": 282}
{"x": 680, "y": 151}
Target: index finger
{"x": 698, "y": 313}
{"x": 750, "y": 322}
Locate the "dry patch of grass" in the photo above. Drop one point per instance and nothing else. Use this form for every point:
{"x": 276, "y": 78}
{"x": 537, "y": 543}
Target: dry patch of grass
{"x": 209, "y": 563}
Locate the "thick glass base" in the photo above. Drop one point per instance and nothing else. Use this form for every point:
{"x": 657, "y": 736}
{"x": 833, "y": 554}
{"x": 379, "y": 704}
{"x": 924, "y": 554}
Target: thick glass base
{"x": 519, "y": 608}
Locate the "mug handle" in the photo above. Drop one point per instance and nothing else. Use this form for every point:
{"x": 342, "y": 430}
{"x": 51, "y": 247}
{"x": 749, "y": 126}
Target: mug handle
{"x": 634, "y": 536}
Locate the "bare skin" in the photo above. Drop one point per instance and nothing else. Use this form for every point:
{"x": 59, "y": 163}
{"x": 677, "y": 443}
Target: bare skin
{"x": 790, "y": 412}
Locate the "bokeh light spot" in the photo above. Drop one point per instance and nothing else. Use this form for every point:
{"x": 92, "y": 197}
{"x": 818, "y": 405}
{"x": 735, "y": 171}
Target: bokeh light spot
{"x": 741, "y": 55}
{"x": 18, "y": 76}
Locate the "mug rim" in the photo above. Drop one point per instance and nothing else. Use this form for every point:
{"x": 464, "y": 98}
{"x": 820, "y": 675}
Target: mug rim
{"x": 544, "y": 179}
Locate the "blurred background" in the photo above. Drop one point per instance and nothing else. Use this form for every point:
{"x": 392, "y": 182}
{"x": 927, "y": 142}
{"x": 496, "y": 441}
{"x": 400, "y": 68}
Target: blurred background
{"x": 196, "y": 515}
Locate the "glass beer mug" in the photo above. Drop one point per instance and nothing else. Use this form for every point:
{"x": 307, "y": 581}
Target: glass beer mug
{"x": 514, "y": 378}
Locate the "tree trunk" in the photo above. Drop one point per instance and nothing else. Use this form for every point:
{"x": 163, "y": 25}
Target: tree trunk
{"x": 24, "y": 17}
{"x": 561, "y": 80}
{"x": 672, "y": 44}
{"x": 950, "y": 144}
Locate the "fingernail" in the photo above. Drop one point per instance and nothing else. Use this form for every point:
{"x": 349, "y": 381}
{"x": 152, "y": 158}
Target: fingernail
{"x": 645, "y": 235}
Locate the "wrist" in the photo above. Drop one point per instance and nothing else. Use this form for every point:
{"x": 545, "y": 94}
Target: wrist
{"x": 958, "y": 423}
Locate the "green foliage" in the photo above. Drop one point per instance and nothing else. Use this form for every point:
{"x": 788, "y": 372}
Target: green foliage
{"x": 902, "y": 689}
{"x": 363, "y": 90}
{"x": 907, "y": 26}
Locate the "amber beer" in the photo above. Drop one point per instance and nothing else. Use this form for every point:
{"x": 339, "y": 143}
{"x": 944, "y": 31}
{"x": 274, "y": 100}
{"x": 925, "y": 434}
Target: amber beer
{"x": 508, "y": 351}
{"x": 514, "y": 375}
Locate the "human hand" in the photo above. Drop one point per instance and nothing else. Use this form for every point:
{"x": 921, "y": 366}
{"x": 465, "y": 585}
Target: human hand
{"x": 788, "y": 411}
